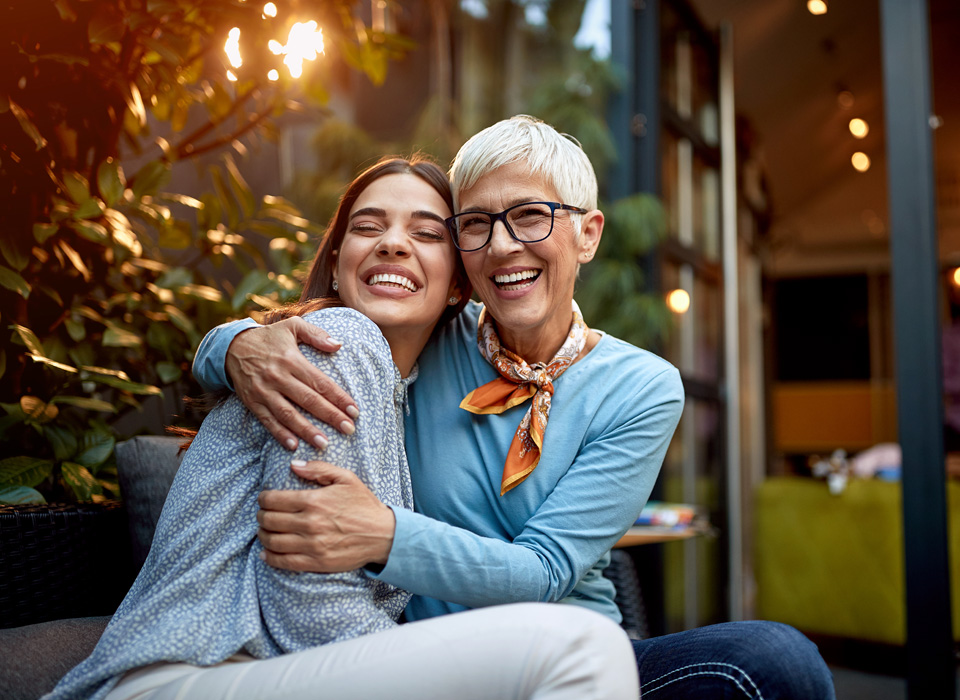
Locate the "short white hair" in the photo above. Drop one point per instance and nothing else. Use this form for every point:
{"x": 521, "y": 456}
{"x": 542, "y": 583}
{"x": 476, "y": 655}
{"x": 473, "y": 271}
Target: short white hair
{"x": 556, "y": 157}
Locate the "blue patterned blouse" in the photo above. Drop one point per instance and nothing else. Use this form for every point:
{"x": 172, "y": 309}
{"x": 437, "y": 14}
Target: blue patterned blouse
{"x": 203, "y": 593}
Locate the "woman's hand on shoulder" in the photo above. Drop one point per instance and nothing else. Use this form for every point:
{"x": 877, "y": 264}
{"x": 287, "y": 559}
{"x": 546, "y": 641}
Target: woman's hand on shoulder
{"x": 272, "y": 377}
{"x": 340, "y": 527}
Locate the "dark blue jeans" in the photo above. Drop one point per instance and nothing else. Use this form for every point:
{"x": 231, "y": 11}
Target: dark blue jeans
{"x": 740, "y": 660}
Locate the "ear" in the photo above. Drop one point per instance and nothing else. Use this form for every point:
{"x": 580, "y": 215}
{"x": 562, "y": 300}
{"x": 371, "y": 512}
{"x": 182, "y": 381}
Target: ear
{"x": 591, "y": 230}
{"x": 454, "y": 291}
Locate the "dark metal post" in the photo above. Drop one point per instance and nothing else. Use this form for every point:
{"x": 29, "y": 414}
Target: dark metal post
{"x": 621, "y": 108}
{"x": 913, "y": 252}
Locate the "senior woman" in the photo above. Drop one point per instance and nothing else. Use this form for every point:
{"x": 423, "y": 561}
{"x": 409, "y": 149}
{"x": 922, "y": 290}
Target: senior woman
{"x": 533, "y": 440}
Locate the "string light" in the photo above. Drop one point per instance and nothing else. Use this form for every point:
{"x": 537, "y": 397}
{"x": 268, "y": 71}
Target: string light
{"x": 678, "y": 301}
{"x": 269, "y": 10}
{"x": 859, "y": 128}
{"x": 861, "y": 161}
{"x": 232, "y": 48}
{"x": 817, "y": 7}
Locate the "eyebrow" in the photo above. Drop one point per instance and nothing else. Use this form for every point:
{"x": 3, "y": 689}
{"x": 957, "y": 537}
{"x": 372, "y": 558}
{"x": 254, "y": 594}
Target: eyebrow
{"x": 382, "y": 213}
{"x": 510, "y": 204}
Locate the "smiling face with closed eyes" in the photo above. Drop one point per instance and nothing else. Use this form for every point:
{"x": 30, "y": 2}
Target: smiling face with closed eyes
{"x": 396, "y": 263}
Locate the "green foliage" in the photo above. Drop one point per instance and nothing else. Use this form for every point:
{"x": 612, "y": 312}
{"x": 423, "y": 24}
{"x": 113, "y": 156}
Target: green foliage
{"x": 108, "y": 279}
{"x": 613, "y": 293}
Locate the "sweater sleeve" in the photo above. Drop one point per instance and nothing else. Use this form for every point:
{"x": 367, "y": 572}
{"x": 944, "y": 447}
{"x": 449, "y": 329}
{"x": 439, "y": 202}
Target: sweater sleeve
{"x": 209, "y": 364}
{"x": 592, "y": 505}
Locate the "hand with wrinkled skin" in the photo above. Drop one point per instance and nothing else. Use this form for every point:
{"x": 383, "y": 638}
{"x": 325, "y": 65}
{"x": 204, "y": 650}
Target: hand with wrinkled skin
{"x": 272, "y": 377}
{"x": 340, "y": 527}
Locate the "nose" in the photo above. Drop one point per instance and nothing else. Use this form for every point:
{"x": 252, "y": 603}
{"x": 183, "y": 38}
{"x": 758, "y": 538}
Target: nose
{"x": 501, "y": 242}
{"x": 393, "y": 243}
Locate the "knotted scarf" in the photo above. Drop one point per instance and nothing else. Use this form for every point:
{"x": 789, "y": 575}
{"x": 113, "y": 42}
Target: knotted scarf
{"x": 518, "y": 382}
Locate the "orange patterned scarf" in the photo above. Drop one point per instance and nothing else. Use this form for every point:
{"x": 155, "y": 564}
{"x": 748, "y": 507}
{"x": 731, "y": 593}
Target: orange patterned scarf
{"x": 517, "y": 382}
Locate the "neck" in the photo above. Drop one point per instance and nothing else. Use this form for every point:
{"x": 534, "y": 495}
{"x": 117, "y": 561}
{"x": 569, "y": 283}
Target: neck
{"x": 406, "y": 346}
{"x": 533, "y": 348}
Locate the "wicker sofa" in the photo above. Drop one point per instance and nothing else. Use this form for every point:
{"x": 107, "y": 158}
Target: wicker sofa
{"x": 34, "y": 657}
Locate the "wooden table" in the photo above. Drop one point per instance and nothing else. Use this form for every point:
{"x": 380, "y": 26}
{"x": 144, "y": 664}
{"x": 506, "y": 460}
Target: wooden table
{"x": 646, "y": 534}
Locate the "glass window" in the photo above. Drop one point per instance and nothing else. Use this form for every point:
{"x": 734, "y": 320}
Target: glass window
{"x": 708, "y": 314}
{"x": 670, "y": 180}
{"x": 706, "y": 208}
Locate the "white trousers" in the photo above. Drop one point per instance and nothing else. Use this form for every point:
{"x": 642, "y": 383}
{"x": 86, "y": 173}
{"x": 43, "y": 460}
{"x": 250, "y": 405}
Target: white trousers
{"x": 528, "y": 650}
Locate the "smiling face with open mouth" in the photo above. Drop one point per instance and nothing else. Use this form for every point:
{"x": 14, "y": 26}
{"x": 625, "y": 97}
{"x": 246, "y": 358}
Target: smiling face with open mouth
{"x": 527, "y": 287}
{"x": 396, "y": 264}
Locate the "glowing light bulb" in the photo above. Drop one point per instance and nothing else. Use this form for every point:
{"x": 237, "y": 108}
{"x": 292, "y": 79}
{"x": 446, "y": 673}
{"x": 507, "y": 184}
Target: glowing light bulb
{"x": 859, "y": 128}
{"x": 273, "y": 75}
{"x": 232, "y": 48}
{"x": 304, "y": 42}
{"x": 817, "y": 7}
{"x": 861, "y": 161}
{"x": 269, "y": 10}
{"x": 678, "y": 301}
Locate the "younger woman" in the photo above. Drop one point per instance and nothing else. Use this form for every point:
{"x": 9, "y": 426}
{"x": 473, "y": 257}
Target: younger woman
{"x": 208, "y": 618}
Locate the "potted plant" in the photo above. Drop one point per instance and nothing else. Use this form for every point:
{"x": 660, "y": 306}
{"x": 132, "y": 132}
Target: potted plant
{"x": 109, "y": 275}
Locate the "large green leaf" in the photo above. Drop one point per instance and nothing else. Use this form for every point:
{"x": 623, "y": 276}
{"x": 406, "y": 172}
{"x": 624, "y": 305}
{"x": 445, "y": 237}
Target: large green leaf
{"x": 24, "y": 471}
{"x": 132, "y": 387}
{"x": 118, "y": 337}
{"x": 90, "y": 209}
{"x": 28, "y": 126}
{"x": 29, "y": 339}
{"x": 37, "y": 409}
{"x": 253, "y": 282}
{"x": 83, "y": 484}
{"x": 106, "y": 25}
{"x": 95, "y": 448}
{"x": 150, "y": 178}
{"x": 15, "y": 253}
{"x": 220, "y": 187}
{"x": 168, "y": 372}
{"x": 110, "y": 181}
{"x": 86, "y": 402}
{"x": 78, "y": 189}
{"x": 41, "y": 232}
{"x": 91, "y": 230}
{"x": 240, "y": 188}
{"x": 20, "y": 495}
{"x": 14, "y": 282}
{"x": 62, "y": 440}
{"x": 76, "y": 328}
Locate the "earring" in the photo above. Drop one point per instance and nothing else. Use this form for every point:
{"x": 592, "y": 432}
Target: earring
{"x": 335, "y": 286}
{"x": 453, "y": 300}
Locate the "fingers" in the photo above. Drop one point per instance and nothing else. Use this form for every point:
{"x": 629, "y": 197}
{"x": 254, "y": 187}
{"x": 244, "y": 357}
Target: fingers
{"x": 290, "y": 562}
{"x": 312, "y": 335}
{"x": 323, "y": 473}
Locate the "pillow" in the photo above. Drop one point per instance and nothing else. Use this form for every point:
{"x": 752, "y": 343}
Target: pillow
{"x": 146, "y": 466}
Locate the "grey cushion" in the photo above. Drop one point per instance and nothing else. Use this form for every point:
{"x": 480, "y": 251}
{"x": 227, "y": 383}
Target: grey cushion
{"x": 33, "y": 658}
{"x": 146, "y": 466}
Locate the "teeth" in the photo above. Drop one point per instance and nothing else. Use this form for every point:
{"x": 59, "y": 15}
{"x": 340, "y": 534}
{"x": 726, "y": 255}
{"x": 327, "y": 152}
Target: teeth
{"x": 392, "y": 279}
{"x": 515, "y": 277}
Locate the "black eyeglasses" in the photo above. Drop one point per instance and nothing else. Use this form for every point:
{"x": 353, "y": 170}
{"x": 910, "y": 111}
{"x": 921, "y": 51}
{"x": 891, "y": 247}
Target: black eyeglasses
{"x": 528, "y": 223}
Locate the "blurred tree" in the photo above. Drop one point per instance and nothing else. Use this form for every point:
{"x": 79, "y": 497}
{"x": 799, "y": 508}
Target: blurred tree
{"x": 108, "y": 279}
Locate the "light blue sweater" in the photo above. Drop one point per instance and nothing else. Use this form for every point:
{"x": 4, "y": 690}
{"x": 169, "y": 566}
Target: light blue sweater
{"x": 612, "y": 417}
